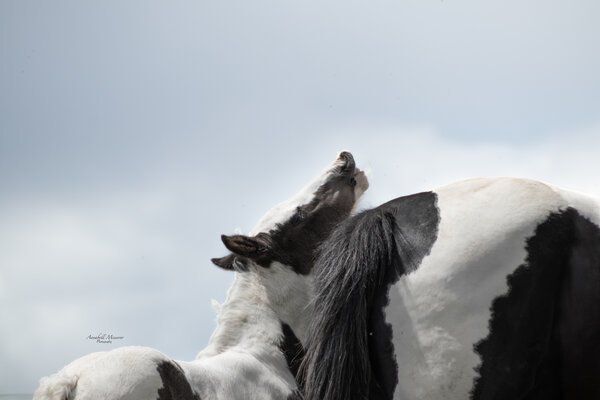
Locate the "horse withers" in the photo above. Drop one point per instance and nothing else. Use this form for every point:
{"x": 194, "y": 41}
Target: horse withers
{"x": 483, "y": 289}
{"x": 256, "y": 348}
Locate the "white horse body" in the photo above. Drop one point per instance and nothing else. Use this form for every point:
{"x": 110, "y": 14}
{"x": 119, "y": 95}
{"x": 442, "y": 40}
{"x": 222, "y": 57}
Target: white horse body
{"x": 445, "y": 303}
{"x": 242, "y": 361}
{"x": 126, "y": 372}
{"x": 484, "y": 289}
{"x": 246, "y": 357}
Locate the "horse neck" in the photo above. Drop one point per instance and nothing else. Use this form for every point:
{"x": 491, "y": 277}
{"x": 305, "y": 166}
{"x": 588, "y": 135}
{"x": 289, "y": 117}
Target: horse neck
{"x": 257, "y": 304}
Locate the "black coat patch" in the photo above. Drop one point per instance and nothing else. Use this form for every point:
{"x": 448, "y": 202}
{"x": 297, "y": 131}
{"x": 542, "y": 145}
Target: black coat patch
{"x": 535, "y": 329}
{"x": 291, "y": 348}
{"x": 175, "y": 385}
{"x": 578, "y": 328}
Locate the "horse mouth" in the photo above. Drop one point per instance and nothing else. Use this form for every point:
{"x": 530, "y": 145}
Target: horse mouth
{"x": 362, "y": 183}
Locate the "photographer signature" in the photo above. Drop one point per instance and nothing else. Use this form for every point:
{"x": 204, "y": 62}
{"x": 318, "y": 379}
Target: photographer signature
{"x": 104, "y": 337}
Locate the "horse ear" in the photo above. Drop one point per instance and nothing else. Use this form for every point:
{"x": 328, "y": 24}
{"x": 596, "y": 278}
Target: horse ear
{"x": 247, "y": 246}
{"x": 224, "y": 262}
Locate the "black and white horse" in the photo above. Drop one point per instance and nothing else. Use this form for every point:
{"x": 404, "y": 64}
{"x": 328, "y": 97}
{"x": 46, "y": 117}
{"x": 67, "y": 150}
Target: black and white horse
{"x": 255, "y": 351}
{"x": 483, "y": 289}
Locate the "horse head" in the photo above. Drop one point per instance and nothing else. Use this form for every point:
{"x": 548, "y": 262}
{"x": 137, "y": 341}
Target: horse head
{"x": 276, "y": 259}
{"x": 289, "y": 234}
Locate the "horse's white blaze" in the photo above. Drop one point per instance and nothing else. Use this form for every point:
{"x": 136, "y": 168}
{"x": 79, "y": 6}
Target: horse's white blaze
{"x": 440, "y": 311}
{"x": 284, "y": 210}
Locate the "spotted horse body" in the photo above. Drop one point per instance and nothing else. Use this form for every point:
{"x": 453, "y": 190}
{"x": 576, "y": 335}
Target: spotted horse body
{"x": 256, "y": 348}
{"x": 483, "y": 289}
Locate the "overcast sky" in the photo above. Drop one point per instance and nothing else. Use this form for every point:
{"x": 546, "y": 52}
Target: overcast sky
{"x": 132, "y": 134}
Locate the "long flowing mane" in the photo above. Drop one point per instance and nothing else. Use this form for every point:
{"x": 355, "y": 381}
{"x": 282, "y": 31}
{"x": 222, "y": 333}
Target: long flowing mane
{"x": 362, "y": 255}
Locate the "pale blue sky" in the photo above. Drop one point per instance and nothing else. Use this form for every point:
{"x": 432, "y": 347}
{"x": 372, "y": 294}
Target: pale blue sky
{"x": 132, "y": 134}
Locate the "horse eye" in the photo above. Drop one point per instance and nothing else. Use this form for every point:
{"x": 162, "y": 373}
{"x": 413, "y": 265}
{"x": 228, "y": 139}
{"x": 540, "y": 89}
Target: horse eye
{"x": 352, "y": 182}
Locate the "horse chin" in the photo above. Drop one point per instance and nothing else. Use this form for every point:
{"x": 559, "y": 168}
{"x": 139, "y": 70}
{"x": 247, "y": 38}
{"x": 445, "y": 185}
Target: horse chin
{"x": 362, "y": 184}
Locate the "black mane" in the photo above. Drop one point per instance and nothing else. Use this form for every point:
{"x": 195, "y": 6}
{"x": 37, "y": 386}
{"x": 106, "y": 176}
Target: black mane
{"x": 363, "y": 256}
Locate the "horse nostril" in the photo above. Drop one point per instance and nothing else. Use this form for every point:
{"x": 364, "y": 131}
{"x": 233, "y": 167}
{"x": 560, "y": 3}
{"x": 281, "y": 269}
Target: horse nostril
{"x": 345, "y": 155}
{"x": 348, "y": 160}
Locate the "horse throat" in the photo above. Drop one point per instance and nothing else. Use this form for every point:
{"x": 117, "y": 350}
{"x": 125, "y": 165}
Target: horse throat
{"x": 256, "y": 308}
